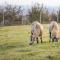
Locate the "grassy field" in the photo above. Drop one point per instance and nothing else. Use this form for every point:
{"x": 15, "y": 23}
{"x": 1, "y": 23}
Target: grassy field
{"x": 14, "y": 45}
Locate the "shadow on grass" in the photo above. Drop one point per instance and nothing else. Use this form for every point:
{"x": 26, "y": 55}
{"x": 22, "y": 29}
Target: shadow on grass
{"x": 7, "y": 46}
{"x": 33, "y": 53}
{"x": 50, "y": 57}
{"x": 24, "y": 50}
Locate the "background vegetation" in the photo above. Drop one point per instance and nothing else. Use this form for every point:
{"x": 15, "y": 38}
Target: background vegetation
{"x": 14, "y": 15}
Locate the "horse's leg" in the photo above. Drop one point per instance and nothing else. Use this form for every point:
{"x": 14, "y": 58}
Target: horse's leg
{"x": 37, "y": 40}
{"x": 56, "y": 39}
{"x": 53, "y": 39}
{"x": 41, "y": 38}
{"x": 50, "y": 36}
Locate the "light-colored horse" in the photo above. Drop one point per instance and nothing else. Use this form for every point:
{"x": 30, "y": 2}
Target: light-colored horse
{"x": 53, "y": 30}
{"x": 36, "y": 31}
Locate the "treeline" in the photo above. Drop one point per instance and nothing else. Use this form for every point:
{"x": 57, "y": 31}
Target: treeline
{"x": 13, "y": 15}
{"x": 10, "y": 15}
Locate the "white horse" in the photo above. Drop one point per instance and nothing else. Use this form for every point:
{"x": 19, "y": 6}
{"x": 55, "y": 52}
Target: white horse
{"x": 36, "y": 31}
{"x": 53, "y": 30}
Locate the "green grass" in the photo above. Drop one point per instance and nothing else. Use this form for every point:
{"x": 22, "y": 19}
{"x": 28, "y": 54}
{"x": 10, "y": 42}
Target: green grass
{"x": 14, "y": 45}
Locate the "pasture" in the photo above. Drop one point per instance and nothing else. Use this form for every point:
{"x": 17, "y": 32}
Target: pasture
{"x": 14, "y": 45}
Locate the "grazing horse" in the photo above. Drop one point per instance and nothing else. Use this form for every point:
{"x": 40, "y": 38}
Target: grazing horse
{"x": 53, "y": 30}
{"x": 36, "y": 31}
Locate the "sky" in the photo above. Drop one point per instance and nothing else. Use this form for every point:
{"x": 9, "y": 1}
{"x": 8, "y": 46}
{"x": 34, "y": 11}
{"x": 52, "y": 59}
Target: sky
{"x": 51, "y": 3}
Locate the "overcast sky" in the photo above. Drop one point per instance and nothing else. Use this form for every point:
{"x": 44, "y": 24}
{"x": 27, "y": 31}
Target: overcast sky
{"x": 51, "y": 3}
